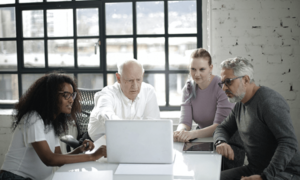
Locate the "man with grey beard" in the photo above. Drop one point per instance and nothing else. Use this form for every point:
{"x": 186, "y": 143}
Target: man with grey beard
{"x": 262, "y": 118}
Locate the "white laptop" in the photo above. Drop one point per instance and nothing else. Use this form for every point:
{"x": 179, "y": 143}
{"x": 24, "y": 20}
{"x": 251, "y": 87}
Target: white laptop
{"x": 139, "y": 141}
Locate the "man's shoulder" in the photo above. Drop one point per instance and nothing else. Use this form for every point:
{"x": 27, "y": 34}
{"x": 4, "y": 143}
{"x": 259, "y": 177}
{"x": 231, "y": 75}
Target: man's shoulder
{"x": 110, "y": 90}
{"x": 268, "y": 96}
{"x": 266, "y": 93}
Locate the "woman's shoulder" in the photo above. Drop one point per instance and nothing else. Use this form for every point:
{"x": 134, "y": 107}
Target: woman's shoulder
{"x": 214, "y": 86}
{"x": 216, "y": 80}
{"x": 33, "y": 118}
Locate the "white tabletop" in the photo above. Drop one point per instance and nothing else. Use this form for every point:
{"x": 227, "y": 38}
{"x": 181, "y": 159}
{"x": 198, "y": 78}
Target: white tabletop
{"x": 185, "y": 166}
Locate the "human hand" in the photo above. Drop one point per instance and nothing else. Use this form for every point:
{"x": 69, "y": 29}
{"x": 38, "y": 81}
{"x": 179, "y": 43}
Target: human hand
{"x": 225, "y": 150}
{"x": 175, "y": 135}
{"x": 253, "y": 177}
{"x": 87, "y": 145}
{"x": 185, "y": 136}
{"x": 100, "y": 152}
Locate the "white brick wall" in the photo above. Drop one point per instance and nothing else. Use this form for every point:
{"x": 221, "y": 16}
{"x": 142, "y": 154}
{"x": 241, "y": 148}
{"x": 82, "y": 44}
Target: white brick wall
{"x": 267, "y": 32}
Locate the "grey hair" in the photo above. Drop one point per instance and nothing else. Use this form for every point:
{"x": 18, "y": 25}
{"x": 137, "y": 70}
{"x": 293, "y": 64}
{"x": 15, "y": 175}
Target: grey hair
{"x": 240, "y": 66}
{"x": 121, "y": 64}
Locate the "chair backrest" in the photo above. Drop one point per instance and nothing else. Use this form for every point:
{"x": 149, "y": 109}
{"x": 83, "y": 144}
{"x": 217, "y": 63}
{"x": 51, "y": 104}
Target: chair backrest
{"x": 87, "y": 104}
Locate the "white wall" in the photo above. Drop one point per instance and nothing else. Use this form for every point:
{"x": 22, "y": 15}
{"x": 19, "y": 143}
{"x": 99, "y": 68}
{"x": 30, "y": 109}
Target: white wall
{"x": 267, "y": 32}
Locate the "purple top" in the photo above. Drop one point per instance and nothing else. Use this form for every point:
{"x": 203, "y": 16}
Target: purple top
{"x": 210, "y": 106}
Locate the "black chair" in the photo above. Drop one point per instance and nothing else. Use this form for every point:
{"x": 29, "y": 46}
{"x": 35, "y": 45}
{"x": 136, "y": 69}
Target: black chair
{"x": 82, "y": 119}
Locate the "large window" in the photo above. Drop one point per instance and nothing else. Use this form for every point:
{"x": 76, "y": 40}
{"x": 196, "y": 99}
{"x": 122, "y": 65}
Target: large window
{"x": 86, "y": 38}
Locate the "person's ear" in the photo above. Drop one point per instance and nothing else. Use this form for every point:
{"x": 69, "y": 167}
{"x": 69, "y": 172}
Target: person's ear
{"x": 211, "y": 67}
{"x": 118, "y": 76}
{"x": 246, "y": 79}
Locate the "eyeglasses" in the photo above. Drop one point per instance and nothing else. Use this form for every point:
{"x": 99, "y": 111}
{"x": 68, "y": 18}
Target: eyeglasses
{"x": 227, "y": 82}
{"x": 67, "y": 95}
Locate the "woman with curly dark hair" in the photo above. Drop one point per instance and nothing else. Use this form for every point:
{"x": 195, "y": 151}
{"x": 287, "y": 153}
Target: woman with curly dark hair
{"x": 42, "y": 115}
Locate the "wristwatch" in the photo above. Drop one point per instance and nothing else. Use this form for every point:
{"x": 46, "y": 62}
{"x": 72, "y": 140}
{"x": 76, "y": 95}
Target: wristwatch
{"x": 219, "y": 142}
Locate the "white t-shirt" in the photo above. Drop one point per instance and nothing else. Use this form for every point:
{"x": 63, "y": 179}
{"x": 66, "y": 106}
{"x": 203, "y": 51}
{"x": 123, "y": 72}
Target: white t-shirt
{"x": 21, "y": 158}
{"x": 112, "y": 104}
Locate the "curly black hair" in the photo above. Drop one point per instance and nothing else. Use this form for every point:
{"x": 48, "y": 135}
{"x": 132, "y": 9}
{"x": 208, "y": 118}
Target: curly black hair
{"x": 43, "y": 97}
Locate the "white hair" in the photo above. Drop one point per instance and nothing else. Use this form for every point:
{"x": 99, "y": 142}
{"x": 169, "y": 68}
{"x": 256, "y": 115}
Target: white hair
{"x": 121, "y": 64}
{"x": 240, "y": 66}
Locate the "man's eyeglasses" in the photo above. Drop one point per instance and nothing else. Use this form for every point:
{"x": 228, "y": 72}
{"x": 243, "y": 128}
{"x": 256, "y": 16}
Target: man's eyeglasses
{"x": 227, "y": 82}
{"x": 67, "y": 95}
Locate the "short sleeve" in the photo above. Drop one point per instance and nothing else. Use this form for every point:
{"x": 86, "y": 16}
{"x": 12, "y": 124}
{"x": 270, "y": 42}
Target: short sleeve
{"x": 35, "y": 130}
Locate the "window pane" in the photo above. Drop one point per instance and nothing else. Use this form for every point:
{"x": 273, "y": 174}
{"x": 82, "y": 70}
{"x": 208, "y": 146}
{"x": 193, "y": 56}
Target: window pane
{"x": 7, "y": 22}
{"x": 111, "y": 79}
{"x": 33, "y": 23}
{"x": 118, "y": 18}
{"x": 87, "y": 22}
{"x": 88, "y": 53}
{"x": 118, "y": 49}
{"x": 28, "y": 80}
{"x": 182, "y": 17}
{"x": 180, "y": 50}
{"x": 61, "y": 53}
{"x": 34, "y": 54}
{"x": 60, "y": 22}
{"x": 8, "y": 56}
{"x": 29, "y": 1}
{"x": 90, "y": 81}
{"x": 158, "y": 82}
{"x": 9, "y": 87}
{"x": 151, "y": 52}
{"x": 150, "y": 17}
{"x": 176, "y": 83}
{"x": 7, "y": 1}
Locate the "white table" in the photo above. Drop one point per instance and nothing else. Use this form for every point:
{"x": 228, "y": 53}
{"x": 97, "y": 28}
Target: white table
{"x": 185, "y": 166}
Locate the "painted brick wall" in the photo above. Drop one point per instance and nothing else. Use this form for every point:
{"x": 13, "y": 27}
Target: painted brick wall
{"x": 267, "y": 32}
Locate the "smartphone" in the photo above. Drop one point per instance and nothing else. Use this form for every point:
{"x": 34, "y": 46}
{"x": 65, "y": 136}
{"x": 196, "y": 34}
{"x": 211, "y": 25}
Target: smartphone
{"x": 198, "y": 147}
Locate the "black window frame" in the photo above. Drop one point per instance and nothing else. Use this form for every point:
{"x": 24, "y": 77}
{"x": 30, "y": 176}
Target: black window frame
{"x": 19, "y": 7}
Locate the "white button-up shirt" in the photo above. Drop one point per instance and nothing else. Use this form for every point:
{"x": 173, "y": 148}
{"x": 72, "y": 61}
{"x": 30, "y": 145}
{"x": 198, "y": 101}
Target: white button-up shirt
{"x": 112, "y": 104}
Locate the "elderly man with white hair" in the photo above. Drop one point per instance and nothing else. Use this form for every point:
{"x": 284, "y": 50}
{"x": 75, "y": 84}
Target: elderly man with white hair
{"x": 262, "y": 118}
{"x": 129, "y": 98}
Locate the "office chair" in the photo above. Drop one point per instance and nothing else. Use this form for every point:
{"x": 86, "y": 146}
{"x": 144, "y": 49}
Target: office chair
{"x": 82, "y": 119}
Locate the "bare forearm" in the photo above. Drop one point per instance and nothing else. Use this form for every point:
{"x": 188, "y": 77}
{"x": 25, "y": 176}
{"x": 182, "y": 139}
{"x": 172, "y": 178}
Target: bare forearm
{"x": 183, "y": 127}
{"x": 206, "y": 132}
{"x": 60, "y": 159}
{"x": 75, "y": 151}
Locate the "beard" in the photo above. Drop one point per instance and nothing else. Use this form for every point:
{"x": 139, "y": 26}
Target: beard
{"x": 240, "y": 94}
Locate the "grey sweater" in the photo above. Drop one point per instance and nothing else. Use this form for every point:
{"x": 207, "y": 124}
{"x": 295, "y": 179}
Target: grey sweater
{"x": 266, "y": 129}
